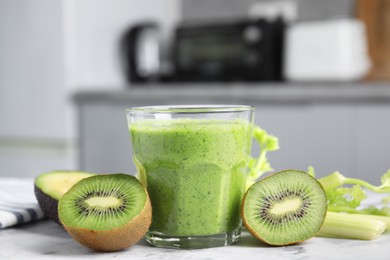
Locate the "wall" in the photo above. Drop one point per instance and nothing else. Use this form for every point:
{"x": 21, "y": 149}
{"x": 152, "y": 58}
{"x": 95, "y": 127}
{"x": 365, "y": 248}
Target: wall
{"x": 31, "y": 67}
{"x": 93, "y": 30}
{"x": 33, "y": 128}
{"x": 49, "y": 50}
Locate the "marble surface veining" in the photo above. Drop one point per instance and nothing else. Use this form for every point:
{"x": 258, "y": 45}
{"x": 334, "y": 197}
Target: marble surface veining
{"x": 48, "y": 240}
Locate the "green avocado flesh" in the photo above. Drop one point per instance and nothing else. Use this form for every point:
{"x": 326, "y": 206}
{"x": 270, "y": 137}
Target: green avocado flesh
{"x": 55, "y": 184}
{"x": 285, "y": 208}
{"x": 51, "y": 186}
{"x": 102, "y": 202}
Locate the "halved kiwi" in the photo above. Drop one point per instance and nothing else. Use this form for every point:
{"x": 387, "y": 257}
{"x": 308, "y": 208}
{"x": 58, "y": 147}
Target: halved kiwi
{"x": 106, "y": 212}
{"x": 49, "y": 188}
{"x": 285, "y": 208}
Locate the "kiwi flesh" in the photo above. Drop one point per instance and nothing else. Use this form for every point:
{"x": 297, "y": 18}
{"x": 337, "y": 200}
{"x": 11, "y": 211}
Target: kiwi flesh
{"x": 49, "y": 188}
{"x": 106, "y": 212}
{"x": 285, "y": 208}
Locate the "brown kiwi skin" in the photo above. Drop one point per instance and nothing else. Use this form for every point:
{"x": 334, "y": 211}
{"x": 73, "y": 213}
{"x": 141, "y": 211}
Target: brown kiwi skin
{"x": 118, "y": 238}
{"x": 254, "y": 233}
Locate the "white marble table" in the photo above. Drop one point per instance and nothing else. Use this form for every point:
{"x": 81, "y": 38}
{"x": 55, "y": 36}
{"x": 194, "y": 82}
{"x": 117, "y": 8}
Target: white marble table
{"x": 47, "y": 240}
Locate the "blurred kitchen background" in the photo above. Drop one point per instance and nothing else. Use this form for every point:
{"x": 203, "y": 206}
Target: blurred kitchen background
{"x": 317, "y": 71}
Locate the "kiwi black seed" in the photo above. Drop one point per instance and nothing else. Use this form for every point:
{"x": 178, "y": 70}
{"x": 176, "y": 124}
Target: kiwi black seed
{"x": 106, "y": 212}
{"x": 285, "y": 208}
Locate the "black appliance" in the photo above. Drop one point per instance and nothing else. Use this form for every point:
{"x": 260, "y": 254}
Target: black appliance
{"x": 140, "y": 53}
{"x": 246, "y": 50}
{"x": 242, "y": 50}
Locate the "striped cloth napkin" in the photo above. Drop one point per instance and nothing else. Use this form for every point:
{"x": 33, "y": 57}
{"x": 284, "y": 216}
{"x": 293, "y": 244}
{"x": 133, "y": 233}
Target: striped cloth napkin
{"x": 18, "y": 204}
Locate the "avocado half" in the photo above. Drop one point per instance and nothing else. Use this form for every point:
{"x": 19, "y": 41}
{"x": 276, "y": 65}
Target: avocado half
{"x": 49, "y": 188}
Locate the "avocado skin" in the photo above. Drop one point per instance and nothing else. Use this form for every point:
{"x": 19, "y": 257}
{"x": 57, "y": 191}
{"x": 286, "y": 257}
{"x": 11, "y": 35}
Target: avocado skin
{"x": 48, "y": 205}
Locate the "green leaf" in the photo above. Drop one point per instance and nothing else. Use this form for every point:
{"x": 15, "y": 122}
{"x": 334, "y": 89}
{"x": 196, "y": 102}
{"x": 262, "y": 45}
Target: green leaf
{"x": 272, "y": 143}
{"x": 267, "y": 143}
{"x": 386, "y": 179}
{"x": 311, "y": 172}
{"x": 386, "y": 201}
{"x": 372, "y": 210}
{"x": 356, "y": 196}
{"x": 260, "y": 135}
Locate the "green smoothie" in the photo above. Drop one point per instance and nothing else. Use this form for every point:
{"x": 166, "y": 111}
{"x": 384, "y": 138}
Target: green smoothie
{"x": 194, "y": 171}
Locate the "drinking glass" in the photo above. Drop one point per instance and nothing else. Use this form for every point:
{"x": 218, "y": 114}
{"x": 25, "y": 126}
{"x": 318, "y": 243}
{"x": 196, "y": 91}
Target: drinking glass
{"x": 192, "y": 160}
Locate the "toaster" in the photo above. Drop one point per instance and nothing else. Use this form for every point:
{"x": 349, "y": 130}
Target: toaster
{"x": 330, "y": 50}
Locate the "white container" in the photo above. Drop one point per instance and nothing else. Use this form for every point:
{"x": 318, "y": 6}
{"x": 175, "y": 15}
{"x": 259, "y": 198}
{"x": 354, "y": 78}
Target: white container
{"x": 332, "y": 50}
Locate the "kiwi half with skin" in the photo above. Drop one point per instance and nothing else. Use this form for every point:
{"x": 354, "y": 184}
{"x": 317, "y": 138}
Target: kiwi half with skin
{"x": 49, "y": 188}
{"x": 106, "y": 212}
{"x": 285, "y": 208}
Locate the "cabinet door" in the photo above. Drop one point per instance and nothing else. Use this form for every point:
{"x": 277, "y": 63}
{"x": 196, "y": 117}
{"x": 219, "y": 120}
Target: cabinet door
{"x": 372, "y": 147}
{"x": 309, "y": 135}
{"x": 104, "y": 141}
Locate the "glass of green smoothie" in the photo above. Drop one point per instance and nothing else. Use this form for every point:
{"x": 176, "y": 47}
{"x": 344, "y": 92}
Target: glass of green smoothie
{"x": 193, "y": 160}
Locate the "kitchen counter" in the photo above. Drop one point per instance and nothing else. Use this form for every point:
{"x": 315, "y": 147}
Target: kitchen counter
{"x": 48, "y": 240}
{"x": 268, "y": 92}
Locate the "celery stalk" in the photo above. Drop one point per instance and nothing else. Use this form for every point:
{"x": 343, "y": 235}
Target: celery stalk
{"x": 375, "y": 217}
{"x": 351, "y": 226}
{"x": 332, "y": 181}
{"x": 337, "y": 179}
